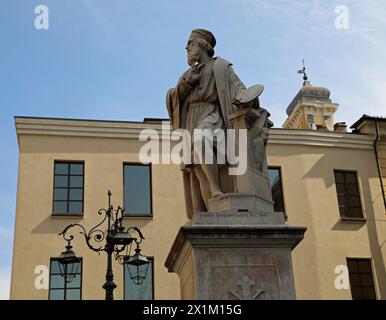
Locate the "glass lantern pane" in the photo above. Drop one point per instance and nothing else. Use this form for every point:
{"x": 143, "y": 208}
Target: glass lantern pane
{"x": 56, "y": 281}
{"x": 75, "y": 282}
{"x": 55, "y": 267}
{"x": 142, "y": 291}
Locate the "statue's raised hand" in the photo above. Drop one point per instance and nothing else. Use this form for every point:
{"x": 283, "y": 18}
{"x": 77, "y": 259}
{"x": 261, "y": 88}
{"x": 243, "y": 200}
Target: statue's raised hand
{"x": 194, "y": 74}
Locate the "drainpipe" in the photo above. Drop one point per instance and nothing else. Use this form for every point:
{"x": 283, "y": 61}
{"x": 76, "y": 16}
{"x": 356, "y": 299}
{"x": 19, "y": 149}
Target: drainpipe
{"x": 377, "y": 159}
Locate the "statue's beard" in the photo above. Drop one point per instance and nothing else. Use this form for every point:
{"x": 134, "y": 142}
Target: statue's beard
{"x": 193, "y": 57}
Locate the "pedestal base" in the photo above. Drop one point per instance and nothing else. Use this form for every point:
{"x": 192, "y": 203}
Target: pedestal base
{"x": 240, "y": 202}
{"x": 234, "y": 261}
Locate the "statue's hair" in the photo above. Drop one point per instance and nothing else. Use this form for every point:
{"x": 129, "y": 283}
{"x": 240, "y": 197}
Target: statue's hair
{"x": 205, "y": 45}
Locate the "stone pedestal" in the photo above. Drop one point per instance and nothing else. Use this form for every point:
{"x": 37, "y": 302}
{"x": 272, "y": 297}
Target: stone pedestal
{"x": 241, "y": 202}
{"x": 241, "y": 248}
{"x": 231, "y": 256}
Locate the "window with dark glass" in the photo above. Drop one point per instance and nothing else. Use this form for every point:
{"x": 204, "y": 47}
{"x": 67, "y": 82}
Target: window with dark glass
{"x": 65, "y": 281}
{"x": 68, "y": 187}
{"x": 310, "y": 118}
{"x": 348, "y": 194}
{"x": 143, "y": 291}
{"x": 276, "y": 188}
{"x": 137, "y": 189}
{"x": 361, "y": 279}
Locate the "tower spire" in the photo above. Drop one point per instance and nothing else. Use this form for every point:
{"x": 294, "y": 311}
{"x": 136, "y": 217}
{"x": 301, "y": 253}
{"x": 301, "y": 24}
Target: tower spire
{"x": 303, "y": 71}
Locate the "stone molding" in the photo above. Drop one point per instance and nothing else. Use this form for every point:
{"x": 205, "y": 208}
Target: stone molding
{"x": 237, "y": 236}
{"x": 131, "y": 130}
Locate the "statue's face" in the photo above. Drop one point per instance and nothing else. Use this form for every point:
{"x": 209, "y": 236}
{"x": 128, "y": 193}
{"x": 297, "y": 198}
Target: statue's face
{"x": 194, "y": 51}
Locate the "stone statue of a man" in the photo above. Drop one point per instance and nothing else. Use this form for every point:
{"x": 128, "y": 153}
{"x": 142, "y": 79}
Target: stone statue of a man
{"x": 204, "y": 98}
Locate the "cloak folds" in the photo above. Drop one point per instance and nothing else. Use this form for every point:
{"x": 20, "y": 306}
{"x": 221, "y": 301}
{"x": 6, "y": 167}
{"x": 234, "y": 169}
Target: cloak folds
{"x": 230, "y": 90}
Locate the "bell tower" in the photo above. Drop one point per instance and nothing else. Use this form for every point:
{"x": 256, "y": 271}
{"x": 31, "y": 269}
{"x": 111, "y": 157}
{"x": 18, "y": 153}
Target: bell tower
{"x": 311, "y": 108}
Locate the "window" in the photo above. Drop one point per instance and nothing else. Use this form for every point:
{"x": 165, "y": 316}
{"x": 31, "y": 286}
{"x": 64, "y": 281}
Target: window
{"x": 348, "y": 194}
{"x": 361, "y": 279}
{"x": 60, "y": 286}
{"x": 142, "y": 291}
{"x": 327, "y": 122}
{"x": 310, "y": 118}
{"x": 274, "y": 175}
{"x": 68, "y": 187}
{"x": 137, "y": 189}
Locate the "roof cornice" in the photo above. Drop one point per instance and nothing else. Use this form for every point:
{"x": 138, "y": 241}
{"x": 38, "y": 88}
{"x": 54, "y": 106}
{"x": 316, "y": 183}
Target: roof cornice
{"x": 131, "y": 130}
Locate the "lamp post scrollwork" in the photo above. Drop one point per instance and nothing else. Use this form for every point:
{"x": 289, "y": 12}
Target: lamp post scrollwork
{"x": 115, "y": 240}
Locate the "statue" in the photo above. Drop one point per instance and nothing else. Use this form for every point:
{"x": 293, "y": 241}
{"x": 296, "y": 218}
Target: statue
{"x": 205, "y": 97}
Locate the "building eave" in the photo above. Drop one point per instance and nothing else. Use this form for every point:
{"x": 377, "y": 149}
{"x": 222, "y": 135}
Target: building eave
{"x": 364, "y": 118}
{"x": 131, "y": 130}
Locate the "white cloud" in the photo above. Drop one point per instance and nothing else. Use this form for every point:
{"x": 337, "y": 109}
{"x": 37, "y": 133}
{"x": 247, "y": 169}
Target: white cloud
{"x": 5, "y": 282}
{"x": 361, "y": 89}
{"x": 369, "y": 27}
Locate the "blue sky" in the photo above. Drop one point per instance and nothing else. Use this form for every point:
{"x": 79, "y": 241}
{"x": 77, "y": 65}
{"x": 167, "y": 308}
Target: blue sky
{"x": 115, "y": 59}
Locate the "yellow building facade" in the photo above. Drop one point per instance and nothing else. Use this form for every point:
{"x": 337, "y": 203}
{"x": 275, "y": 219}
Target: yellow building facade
{"x": 311, "y": 162}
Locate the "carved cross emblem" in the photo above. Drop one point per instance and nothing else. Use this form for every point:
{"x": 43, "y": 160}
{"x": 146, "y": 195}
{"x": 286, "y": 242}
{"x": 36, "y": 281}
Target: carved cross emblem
{"x": 244, "y": 290}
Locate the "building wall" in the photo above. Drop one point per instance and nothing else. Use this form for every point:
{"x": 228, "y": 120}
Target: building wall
{"x": 307, "y": 160}
{"x": 310, "y": 200}
{"x": 36, "y": 232}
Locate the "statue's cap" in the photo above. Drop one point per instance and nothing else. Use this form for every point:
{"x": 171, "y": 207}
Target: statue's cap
{"x": 204, "y": 34}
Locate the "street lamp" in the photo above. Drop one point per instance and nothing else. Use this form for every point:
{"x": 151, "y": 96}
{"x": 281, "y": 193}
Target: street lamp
{"x": 68, "y": 263}
{"x": 137, "y": 265}
{"x": 117, "y": 239}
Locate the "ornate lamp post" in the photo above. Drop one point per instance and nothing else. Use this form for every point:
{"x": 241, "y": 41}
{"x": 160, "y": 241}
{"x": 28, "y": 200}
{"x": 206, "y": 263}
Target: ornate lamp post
{"x": 116, "y": 240}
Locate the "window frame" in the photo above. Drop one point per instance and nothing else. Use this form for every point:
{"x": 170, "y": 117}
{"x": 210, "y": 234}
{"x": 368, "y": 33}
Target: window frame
{"x": 65, "y": 284}
{"x": 152, "y": 280}
{"x": 279, "y": 168}
{"x": 68, "y": 214}
{"x": 136, "y": 215}
{"x": 370, "y": 261}
{"x": 349, "y": 217}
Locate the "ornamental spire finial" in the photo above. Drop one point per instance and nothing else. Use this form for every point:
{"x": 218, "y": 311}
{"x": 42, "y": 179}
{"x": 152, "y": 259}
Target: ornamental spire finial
{"x": 303, "y": 71}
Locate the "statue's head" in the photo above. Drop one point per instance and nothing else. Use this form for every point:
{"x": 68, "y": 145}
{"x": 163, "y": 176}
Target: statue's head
{"x": 201, "y": 42}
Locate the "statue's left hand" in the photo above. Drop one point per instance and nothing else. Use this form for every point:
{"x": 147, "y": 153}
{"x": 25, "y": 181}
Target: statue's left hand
{"x": 194, "y": 74}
